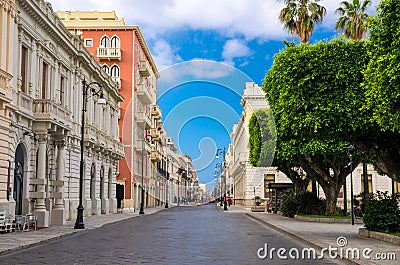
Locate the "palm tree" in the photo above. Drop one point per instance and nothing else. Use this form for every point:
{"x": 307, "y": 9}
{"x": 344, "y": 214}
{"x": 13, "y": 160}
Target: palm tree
{"x": 353, "y": 18}
{"x": 299, "y": 16}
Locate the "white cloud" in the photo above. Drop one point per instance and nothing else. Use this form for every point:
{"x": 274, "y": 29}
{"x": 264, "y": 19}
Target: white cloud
{"x": 235, "y": 19}
{"x": 234, "y": 49}
{"x": 249, "y": 19}
{"x": 164, "y": 55}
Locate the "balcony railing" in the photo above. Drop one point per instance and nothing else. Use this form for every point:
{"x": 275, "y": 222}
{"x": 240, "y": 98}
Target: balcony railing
{"x": 90, "y": 135}
{"x": 117, "y": 80}
{"x": 155, "y": 134}
{"x": 144, "y": 68}
{"x": 24, "y": 103}
{"x": 154, "y": 155}
{"x": 49, "y": 111}
{"x": 109, "y": 53}
{"x": 101, "y": 139}
{"x": 144, "y": 94}
{"x": 143, "y": 119}
{"x": 155, "y": 112}
{"x": 119, "y": 149}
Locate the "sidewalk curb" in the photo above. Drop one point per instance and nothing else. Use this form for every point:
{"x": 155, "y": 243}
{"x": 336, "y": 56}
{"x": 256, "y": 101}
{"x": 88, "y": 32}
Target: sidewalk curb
{"x": 295, "y": 236}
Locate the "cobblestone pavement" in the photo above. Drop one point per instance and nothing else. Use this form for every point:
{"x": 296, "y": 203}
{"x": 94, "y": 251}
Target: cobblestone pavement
{"x": 181, "y": 235}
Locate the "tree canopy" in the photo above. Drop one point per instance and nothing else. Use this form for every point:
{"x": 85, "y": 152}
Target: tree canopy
{"x": 313, "y": 92}
{"x": 353, "y": 19}
{"x": 299, "y": 17}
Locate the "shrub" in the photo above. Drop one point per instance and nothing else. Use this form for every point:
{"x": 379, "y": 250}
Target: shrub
{"x": 309, "y": 203}
{"x": 382, "y": 214}
{"x": 289, "y": 203}
{"x": 301, "y": 203}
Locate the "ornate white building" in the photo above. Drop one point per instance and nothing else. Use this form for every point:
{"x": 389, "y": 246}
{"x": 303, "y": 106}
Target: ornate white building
{"x": 45, "y": 111}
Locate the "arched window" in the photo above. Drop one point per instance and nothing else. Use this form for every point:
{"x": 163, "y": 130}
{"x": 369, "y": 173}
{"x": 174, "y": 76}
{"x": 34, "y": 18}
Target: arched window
{"x": 106, "y": 69}
{"x": 115, "y": 42}
{"x": 105, "y": 42}
{"x": 114, "y": 70}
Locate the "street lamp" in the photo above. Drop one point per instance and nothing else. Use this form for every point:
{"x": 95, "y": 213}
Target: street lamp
{"x": 88, "y": 90}
{"x": 167, "y": 177}
{"x": 149, "y": 138}
{"x": 348, "y": 151}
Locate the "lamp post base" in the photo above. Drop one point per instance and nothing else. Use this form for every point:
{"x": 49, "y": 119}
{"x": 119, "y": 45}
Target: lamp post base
{"x": 141, "y": 208}
{"x": 166, "y": 205}
{"x": 79, "y": 219}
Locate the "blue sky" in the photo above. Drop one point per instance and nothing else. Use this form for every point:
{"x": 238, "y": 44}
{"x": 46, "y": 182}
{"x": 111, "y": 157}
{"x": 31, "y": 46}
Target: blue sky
{"x": 200, "y": 100}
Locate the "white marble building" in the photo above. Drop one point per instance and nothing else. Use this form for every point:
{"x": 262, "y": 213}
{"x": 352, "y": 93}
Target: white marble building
{"x": 50, "y": 65}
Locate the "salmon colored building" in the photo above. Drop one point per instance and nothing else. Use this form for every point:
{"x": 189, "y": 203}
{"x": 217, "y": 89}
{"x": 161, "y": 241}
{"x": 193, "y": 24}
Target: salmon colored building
{"x": 123, "y": 54}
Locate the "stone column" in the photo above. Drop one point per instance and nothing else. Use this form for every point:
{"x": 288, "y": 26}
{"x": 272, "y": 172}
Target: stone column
{"x": 58, "y": 212}
{"x": 40, "y": 209}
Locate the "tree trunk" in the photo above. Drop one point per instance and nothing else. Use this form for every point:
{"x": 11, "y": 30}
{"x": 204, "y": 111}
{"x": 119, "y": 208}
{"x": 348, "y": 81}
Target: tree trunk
{"x": 331, "y": 194}
{"x": 301, "y": 185}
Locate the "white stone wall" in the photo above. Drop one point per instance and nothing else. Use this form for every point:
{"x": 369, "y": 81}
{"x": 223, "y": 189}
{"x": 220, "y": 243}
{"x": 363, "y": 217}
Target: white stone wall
{"x": 51, "y": 176}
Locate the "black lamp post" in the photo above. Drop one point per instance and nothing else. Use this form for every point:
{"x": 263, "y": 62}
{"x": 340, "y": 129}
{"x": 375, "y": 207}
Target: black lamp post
{"x": 167, "y": 177}
{"x": 88, "y": 90}
{"x": 348, "y": 151}
{"x": 149, "y": 138}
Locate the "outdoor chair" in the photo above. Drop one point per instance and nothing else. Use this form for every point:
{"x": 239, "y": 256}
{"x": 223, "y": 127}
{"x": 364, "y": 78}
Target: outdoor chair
{"x": 19, "y": 222}
{"x": 30, "y": 221}
{"x": 5, "y": 224}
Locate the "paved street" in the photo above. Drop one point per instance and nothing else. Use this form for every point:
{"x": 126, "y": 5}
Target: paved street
{"x": 181, "y": 235}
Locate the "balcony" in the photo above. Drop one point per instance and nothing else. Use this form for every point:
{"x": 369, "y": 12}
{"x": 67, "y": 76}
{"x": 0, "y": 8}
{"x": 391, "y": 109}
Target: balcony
{"x": 24, "y": 104}
{"x": 109, "y": 53}
{"x": 144, "y": 68}
{"x": 46, "y": 110}
{"x": 155, "y": 134}
{"x": 144, "y": 94}
{"x": 6, "y": 92}
{"x": 119, "y": 149}
{"x": 154, "y": 155}
{"x": 143, "y": 120}
{"x": 101, "y": 140}
{"x": 90, "y": 135}
{"x": 117, "y": 80}
{"x": 155, "y": 112}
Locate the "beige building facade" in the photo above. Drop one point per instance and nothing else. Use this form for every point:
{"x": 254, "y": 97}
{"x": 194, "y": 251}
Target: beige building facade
{"x": 240, "y": 177}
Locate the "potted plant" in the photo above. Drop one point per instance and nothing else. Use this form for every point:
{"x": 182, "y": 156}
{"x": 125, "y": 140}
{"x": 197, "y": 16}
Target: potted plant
{"x": 258, "y": 205}
{"x": 258, "y": 200}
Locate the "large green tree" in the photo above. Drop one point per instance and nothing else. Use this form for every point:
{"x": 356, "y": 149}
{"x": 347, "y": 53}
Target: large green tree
{"x": 262, "y": 143}
{"x": 314, "y": 92}
{"x": 353, "y": 18}
{"x": 299, "y": 17}
{"x": 382, "y": 83}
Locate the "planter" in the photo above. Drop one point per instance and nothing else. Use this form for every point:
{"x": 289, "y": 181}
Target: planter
{"x": 327, "y": 220}
{"x": 258, "y": 208}
{"x": 379, "y": 236}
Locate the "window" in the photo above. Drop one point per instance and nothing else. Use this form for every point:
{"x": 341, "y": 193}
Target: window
{"x": 114, "y": 70}
{"x": 61, "y": 91}
{"x": 369, "y": 183}
{"x": 115, "y": 42}
{"x": 24, "y": 63}
{"x": 396, "y": 187}
{"x": 106, "y": 69}
{"x": 268, "y": 178}
{"x": 88, "y": 42}
{"x": 105, "y": 42}
{"x": 44, "y": 79}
